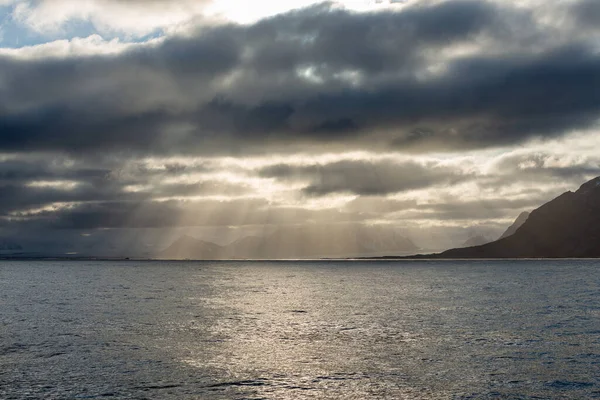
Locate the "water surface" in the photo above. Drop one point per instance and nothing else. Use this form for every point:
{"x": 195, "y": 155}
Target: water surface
{"x": 300, "y": 330}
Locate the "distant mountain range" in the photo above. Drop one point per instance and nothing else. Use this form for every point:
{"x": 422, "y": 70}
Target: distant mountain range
{"x": 566, "y": 227}
{"x": 516, "y": 225}
{"x": 297, "y": 242}
{"x": 476, "y": 240}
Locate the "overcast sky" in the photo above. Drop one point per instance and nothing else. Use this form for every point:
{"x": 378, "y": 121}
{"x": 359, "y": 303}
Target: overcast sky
{"x": 442, "y": 119}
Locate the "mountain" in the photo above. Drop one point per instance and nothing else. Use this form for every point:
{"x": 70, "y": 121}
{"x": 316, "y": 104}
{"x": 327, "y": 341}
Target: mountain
{"x": 476, "y": 240}
{"x": 305, "y": 241}
{"x": 516, "y": 225}
{"x": 566, "y": 227}
{"x": 189, "y": 247}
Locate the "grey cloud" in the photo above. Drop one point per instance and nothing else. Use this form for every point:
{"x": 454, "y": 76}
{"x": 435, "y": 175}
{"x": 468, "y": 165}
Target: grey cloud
{"x": 105, "y": 181}
{"x": 333, "y": 40}
{"x": 365, "y": 177}
{"x": 470, "y": 211}
{"x": 480, "y": 102}
{"x": 587, "y": 13}
{"x": 317, "y": 79}
{"x": 542, "y": 168}
{"x": 235, "y": 89}
{"x": 137, "y": 214}
{"x": 20, "y": 199}
{"x": 23, "y": 170}
{"x": 379, "y": 205}
{"x": 174, "y": 213}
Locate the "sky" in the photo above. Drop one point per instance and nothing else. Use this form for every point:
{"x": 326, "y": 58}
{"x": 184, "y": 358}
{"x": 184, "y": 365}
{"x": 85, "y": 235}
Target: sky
{"x": 127, "y": 124}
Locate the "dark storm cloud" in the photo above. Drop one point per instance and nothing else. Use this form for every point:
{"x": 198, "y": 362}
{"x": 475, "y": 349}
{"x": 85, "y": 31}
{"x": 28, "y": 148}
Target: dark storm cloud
{"x": 537, "y": 168}
{"x": 587, "y": 13}
{"x": 20, "y": 198}
{"x": 115, "y": 214}
{"x": 433, "y": 76}
{"x": 332, "y": 40}
{"x": 365, "y": 177}
{"x": 42, "y": 181}
{"x": 174, "y": 213}
{"x": 22, "y": 170}
{"x": 480, "y": 102}
{"x": 319, "y": 75}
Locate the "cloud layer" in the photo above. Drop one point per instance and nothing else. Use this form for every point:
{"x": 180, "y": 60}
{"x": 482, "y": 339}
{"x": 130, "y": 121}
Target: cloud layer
{"x": 433, "y": 76}
{"x": 435, "y": 114}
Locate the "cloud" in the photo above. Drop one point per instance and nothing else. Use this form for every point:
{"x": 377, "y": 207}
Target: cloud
{"x": 587, "y": 13}
{"x": 42, "y": 185}
{"x": 172, "y": 214}
{"x": 437, "y": 114}
{"x": 131, "y": 17}
{"x": 111, "y": 192}
{"x": 484, "y": 209}
{"x": 321, "y": 76}
{"x": 438, "y": 202}
{"x": 73, "y": 47}
{"x": 366, "y": 178}
{"x": 542, "y": 170}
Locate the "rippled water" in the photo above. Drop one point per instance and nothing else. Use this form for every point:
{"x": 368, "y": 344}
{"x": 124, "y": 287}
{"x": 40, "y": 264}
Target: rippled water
{"x": 318, "y": 330}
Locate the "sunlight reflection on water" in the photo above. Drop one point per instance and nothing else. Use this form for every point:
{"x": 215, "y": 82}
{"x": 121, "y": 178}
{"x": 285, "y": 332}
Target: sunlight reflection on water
{"x": 416, "y": 330}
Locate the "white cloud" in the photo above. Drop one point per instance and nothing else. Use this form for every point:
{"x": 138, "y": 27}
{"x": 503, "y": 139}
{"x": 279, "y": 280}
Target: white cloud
{"x": 137, "y": 18}
{"x": 134, "y": 18}
{"x": 88, "y": 46}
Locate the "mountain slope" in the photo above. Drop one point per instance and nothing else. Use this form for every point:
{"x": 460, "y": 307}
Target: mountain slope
{"x": 475, "y": 241}
{"x": 568, "y": 226}
{"x": 516, "y": 225}
{"x": 189, "y": 247}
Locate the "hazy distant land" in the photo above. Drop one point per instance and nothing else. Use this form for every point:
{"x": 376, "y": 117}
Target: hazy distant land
{"x": 566, "y": 227}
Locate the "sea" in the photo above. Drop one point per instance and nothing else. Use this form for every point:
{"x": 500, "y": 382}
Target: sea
{"x": 505, "y": 329}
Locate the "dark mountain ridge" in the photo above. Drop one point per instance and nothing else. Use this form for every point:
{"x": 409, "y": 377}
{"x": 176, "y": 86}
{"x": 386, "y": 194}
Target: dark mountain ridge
{"x": 181, "y": 249}
{"x": 516, "y": 225}
{"x": 566, "y": 227}
{"x": 476, "y": 240}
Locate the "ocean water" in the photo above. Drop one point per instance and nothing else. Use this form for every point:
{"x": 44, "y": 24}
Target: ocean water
{"x": 300, "y": 330}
